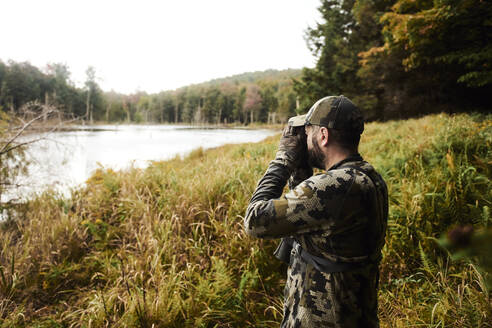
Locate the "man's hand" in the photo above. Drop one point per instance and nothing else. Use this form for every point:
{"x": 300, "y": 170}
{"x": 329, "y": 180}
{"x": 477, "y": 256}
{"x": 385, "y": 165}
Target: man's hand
{"x": 300, "y": 174}
{"x": 292, "y": 149}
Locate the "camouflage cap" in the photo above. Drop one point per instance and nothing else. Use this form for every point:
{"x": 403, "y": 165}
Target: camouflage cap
{"x": 334, "y": 112}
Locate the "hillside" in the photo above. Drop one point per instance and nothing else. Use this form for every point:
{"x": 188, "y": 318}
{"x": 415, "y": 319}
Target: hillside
{"x": 165, "y": 247}
{"x": 254, "y": 77}
{"x": 243, "y": 99}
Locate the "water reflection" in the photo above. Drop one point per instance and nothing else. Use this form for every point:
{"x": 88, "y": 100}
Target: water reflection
{"x": 67, "y": 158}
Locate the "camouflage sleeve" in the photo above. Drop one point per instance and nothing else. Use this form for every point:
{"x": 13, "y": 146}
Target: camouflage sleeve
{"x": 312, "y": 206}
{"x": 273, "y": 181}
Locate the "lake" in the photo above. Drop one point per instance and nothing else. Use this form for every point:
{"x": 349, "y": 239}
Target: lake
{"x": 66, "y": 159}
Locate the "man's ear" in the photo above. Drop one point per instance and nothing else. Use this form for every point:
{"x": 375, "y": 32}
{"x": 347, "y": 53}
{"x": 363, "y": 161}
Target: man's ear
{"x": 323, "y": 136}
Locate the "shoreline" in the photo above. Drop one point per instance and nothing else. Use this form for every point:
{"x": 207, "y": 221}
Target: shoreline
{"x": 66, "y": 158}
{"x": 101, "y": 126}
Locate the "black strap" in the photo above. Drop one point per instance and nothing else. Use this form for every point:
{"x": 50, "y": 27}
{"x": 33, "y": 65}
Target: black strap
{"x": 320, "y": 263}
{"x": 325, "y": 265}
{"x": 376, "y": 257}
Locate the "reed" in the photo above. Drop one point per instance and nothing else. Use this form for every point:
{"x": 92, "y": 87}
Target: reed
{"x": 164, "y": 246}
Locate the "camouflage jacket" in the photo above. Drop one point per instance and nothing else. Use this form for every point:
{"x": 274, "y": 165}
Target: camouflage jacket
{"x": 340, "y": 215}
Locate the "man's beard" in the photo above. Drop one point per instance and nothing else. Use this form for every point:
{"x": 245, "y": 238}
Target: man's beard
{"x": 316, "y": 158}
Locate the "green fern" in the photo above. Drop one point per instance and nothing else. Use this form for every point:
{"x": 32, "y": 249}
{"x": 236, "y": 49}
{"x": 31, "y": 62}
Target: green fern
{"x": 428, "y": 265}
{"x": 486, "y": 216}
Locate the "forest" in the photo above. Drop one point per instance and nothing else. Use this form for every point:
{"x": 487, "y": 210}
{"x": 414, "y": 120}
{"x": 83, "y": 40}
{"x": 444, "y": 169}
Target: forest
{"x": 245, "y": 98}
{"x": 402, "y": 58}
{"x": 393, "y": 58}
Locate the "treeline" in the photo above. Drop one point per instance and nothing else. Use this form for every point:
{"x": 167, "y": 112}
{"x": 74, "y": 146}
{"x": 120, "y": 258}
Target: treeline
{"x": 249, "y": 97}
{"x": 402, "y": 58}
{"x": 393, "y": 58}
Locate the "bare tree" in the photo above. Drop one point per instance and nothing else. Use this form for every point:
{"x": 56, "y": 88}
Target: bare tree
{"x": 253, "y": 100}
{"x": 34, "y": 123}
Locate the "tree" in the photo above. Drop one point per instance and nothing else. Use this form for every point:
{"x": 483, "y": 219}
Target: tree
{"x": 60, "y": 85}
{"x": 238, "y": 111}
{"x": 448, "y": 33}
{"x": 94, "y": 98}
{"x": 286, "y": 103}
{"x": 252, "y": 102}
{"x": 332, "y": 42}
{"x": 228, "y": 100}
{"x": 21, "y": 84}
{"x": 180, "y": 105}
{"x": 216, "y": 101}
{"x": 269, "y": 102}
{"x": 168, "y": 106}
{"x": 435, "y": 57}
{"x": 115, "y": 111}
{"x": 400, "y": 58}
{"x": 13, "y": 141}
{"x": 3, "y": 73}
{"x": 191, "y": 103}
{"x": 211, "y": 104}
{"x": 143, "y": 108}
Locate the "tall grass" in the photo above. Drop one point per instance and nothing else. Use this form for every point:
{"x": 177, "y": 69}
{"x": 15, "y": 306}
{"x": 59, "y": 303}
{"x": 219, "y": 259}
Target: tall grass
{"x": 164, "y": 246}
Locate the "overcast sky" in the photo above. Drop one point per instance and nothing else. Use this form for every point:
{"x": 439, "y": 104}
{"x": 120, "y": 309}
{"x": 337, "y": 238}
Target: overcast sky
{"x": 157, "y": 45}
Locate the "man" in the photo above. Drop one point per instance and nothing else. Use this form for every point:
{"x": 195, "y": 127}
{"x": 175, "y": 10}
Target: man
{"x": 332, "y": 224}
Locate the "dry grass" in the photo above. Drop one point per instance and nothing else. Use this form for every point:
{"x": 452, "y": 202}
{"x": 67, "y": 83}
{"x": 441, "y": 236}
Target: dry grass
{"x": 164, "y": 246}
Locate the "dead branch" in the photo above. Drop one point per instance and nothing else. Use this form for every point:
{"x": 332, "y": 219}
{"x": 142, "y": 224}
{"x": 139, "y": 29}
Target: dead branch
{"x": 2, "y": 152}
{"x": 47, "y": 110}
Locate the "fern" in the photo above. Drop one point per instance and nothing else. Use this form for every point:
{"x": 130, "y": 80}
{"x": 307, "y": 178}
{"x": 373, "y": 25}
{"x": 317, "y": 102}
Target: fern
{"x": 428, "y": 265}
{"x": 486, "y": 216}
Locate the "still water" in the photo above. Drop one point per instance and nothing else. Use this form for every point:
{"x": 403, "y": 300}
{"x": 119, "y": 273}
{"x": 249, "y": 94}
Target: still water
{"x": 66, "y": 159}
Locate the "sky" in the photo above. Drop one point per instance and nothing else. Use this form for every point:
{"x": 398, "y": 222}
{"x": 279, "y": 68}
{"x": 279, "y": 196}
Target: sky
{"x": 158, "y": 45}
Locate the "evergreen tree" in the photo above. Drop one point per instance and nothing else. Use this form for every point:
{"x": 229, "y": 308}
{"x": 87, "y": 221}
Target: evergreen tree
{"x": 348, "y": 28}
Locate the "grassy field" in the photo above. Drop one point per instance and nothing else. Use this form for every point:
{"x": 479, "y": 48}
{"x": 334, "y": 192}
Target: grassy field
{"x": 164, "y": 246}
